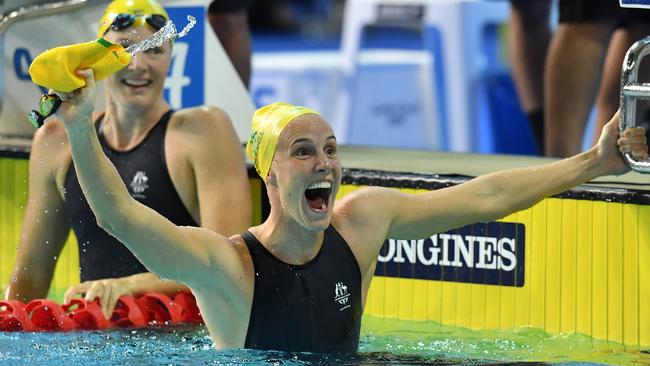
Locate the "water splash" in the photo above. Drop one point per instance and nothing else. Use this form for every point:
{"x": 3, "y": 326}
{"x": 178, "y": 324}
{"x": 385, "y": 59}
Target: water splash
{"x": 164, "y": 34}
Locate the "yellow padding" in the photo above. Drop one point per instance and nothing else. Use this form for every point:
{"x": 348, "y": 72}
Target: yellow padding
{"x": 55, "y": 68}
{"x": 586, "y": 272}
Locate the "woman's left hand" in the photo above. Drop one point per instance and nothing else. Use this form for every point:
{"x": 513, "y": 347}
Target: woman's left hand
{"x": 611, "y": 146}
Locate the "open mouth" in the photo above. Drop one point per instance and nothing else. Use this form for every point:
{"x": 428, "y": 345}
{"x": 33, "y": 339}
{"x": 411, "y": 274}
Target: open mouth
{"x": 318, "y": 196}
{"x": 136, "y": 83}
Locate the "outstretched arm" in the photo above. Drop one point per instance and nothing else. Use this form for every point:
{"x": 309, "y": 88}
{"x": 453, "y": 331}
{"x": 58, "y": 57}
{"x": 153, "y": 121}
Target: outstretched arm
{"x": 492, "y": 196}
{"x": 170, "y": 251}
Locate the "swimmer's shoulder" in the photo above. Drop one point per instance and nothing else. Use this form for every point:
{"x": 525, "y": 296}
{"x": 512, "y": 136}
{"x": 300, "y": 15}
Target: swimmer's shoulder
{"x": 358, "y": 203}
{"x": 200, "y": 120}
{"x": 361, "y": 220}
{"x": 206, "y": 134}
{"x": 50, "y": 157}
{"x": 364, "y": 209}
{"x": 50, "y": 145}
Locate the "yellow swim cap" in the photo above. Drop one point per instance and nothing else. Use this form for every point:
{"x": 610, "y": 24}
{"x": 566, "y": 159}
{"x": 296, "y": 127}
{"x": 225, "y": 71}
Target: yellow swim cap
{"x": 268, "y": 123}
{"x": 140, "y": 8}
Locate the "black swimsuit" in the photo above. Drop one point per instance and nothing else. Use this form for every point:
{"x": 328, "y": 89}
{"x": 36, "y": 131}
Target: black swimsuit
{"x": 144, "y": 171}
{"x": 314, "y": 307}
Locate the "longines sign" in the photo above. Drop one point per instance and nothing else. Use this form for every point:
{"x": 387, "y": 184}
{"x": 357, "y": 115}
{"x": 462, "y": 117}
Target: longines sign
{"x": 489, "y": 253}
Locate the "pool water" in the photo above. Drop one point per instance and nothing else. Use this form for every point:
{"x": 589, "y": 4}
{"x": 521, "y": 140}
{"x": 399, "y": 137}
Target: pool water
{"x": 383, "y": 342}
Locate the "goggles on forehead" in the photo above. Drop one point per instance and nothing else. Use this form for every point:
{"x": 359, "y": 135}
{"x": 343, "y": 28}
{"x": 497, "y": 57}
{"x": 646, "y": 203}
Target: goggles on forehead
{"x": 47, "y": 106}
{"x": 125, "y": 20}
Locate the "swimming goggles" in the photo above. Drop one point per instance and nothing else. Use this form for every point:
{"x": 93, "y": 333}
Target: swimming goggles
{"x": 125, "y": 20}
{"x": 47, "y": 106}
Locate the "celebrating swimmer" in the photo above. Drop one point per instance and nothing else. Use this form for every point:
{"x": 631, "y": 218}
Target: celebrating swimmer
{"x": 276, "y": 285}
{"x": 186, "y": 165}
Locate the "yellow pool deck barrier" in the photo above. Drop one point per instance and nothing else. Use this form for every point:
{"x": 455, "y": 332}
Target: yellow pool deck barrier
{"x": 577, "y": 262}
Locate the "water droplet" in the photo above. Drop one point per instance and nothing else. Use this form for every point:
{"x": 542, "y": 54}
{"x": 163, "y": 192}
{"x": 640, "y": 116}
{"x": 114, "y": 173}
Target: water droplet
{"x": 55, "y": 257}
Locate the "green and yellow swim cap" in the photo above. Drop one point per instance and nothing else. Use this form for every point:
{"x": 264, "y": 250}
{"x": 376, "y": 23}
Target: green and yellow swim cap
{"x": 267, "y": 125}
{"x": 138, "y": 8}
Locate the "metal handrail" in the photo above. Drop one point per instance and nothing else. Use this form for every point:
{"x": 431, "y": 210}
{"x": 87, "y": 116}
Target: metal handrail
{"x": 631, "y": 90}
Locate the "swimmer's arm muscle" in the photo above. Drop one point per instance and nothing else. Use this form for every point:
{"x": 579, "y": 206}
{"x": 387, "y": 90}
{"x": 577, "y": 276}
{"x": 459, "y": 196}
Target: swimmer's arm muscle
{"x": 489, "y": 197}
{"x": 496, "y": 195}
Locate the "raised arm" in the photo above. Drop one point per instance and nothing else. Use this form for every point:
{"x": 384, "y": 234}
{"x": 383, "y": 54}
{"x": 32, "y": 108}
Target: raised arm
{"x": 202, "y": 138}
{"x": 179, "y": 253}
{"x": 492, "y": 196}
{"x": 44, "y": 227}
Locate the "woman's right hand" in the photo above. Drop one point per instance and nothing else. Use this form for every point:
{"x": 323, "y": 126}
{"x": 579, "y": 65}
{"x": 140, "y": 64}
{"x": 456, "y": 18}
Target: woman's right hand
{"x": 107, "y": 291}
{"x": 77, "y": 107}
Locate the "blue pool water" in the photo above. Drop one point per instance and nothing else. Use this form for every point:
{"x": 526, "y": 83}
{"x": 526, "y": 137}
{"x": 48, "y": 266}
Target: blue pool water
{"x": 383, "y": 342}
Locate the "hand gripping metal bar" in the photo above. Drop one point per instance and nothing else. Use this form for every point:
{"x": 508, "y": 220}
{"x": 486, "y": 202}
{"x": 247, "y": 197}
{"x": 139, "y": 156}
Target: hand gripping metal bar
{"x": 631, "y": 91}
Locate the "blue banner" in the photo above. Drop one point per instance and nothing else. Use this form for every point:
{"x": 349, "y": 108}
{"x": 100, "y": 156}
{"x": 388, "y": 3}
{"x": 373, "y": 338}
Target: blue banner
{"x": 635, "y": 3}
{"x": 184, "y": 86}
{"x": 488, "y": 253}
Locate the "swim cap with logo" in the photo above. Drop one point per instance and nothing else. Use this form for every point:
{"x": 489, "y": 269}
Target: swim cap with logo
{"x": 267, "y": 125}
{"x": 139, "y": 8}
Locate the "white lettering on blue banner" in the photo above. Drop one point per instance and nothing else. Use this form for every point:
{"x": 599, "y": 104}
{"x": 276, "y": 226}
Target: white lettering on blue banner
{"x": 489, "y": 253}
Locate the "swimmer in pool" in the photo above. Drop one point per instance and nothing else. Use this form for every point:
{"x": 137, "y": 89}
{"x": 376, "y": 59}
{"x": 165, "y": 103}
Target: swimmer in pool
{"x": 187, "y": 165}
{"x": 298, "y": 281}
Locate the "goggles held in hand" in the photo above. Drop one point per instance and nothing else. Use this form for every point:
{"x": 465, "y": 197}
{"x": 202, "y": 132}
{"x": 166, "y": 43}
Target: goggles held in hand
{"x": 47, "y": 106}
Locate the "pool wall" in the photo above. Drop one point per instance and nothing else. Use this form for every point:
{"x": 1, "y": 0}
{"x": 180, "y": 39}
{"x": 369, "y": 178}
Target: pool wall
{"x": 582, "y": 265}
{"x": 585, "y": 267}
{"x": 13, "y": 198}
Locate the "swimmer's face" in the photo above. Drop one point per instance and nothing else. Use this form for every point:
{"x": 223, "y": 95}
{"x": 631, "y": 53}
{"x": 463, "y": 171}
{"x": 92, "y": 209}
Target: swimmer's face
{"x": 141, "y": 83}
{"x": 306, "y": 171}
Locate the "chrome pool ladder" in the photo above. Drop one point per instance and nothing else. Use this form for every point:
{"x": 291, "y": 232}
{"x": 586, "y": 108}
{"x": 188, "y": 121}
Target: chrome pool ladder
{"x": 631, "y": 91}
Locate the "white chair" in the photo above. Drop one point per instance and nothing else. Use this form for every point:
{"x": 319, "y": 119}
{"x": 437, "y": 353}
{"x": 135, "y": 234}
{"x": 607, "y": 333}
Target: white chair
{"x": 460, "y": 62}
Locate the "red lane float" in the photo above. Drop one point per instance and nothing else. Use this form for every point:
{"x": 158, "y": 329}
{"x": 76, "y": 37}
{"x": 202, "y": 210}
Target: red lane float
{"x": 148, "y": 309}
